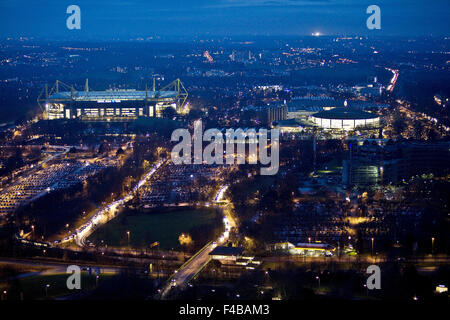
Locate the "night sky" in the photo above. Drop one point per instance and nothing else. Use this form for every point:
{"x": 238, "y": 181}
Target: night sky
{"x": 108, "y": 19}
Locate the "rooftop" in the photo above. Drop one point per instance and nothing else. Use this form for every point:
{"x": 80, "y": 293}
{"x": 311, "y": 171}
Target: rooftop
{"x": 316, "y": 246}
{"x": 226, "y": 251}
{"x": 345, "y": 114}
{"x": 111, "y": 95}
{"x": 318, "y": 103}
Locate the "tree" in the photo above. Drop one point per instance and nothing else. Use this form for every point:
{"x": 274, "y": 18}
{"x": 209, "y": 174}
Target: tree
{"x": 169, "y": 113}
{"x": 119, "y": 151}
{"x": 431, "y": 134}
{"x": 418, "y": 130}
{"x": 185, "y": 240}
{"x": 399, "y": 124}
{"x": 102, "y": 148}
{"x": 195, "y": 114}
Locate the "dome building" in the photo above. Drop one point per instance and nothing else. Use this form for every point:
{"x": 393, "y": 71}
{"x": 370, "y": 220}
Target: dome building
{"x": 345, "y": 119}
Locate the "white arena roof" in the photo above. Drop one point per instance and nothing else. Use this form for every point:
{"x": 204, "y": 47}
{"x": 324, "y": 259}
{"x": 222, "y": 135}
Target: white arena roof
{"x": 112, "y": 95}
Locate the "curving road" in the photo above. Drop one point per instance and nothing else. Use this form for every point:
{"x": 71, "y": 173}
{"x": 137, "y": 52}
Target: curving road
{"x": 197, "y": 262}
{"x": 107, "y": 213}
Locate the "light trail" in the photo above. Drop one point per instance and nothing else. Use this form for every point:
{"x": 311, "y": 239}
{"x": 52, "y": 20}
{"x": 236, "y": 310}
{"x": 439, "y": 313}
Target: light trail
{"x": 104, "y": 215}
{"x": 221, "y": 193}
{"x": 193, "y": 266}
{"x": 393, "y": 81}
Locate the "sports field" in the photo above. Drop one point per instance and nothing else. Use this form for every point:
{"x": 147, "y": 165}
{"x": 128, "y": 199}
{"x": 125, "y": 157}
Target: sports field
{"x": 164, "y": 226}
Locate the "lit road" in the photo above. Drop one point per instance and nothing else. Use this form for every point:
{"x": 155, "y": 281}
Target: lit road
{"x": 48, "y": 268}
{"x": 367, "y": 259}
{"x": 107, "y": 213}
{"x": 394, "y": 79}
{"x": 188, "y": 270}
{"x": 196, "y": 263}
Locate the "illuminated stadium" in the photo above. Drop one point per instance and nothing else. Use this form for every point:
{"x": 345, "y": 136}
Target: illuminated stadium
{"x": 110, "y": 105}
{"x": 345, "y": 119}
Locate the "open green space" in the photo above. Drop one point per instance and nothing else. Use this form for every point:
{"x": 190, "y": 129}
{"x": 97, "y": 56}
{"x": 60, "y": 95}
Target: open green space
{"x": 162, "y": 225}
{"x": 49, "y": 286}
{"x": 332, "y": 167}
{"x": 259, "y": 183}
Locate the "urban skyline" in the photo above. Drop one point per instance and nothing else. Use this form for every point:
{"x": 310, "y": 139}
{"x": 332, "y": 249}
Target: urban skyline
{"x": 229, "y": 152}
{"x": 111, "y": 19}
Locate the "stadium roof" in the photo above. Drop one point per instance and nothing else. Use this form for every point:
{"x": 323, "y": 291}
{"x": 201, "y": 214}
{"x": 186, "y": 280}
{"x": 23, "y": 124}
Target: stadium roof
{"x": 308, "y": 102}
{"x": 112, "y": 95}
{"x": 344, "y": 114}
{"x": 318, "y": 103}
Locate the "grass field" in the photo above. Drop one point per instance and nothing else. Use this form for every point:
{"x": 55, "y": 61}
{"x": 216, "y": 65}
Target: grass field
{"x": 164, "y": 226}
{"x": 35, "y": 287}
{"x": 332, "y": 167}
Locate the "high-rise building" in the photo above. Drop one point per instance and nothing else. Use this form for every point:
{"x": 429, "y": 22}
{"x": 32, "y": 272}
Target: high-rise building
{"x": 269, "y": 113}
{"x": 372, "y": 163}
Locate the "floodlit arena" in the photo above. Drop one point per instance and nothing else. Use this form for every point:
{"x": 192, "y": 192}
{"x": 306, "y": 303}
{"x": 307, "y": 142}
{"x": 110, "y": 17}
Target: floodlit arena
{"x": 110, "y": 105}
{"x": 345, "y": 119}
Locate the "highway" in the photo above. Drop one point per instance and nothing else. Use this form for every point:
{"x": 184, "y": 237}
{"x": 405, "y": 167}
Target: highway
{"x": 50, "y": 268}
{"x": 366, "y": 258}
{"x": 394, "y": 79}
{"x": 197, "y": 262}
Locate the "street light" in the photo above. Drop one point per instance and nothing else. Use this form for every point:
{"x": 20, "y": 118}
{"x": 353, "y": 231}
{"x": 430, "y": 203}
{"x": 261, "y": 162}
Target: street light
{"x": 318, "y": 279}
{"x": 128, "y": 236}
{"x": 46, "y": 289}
{"x": 432, "y": 245}
{"x": 372, "y": 246}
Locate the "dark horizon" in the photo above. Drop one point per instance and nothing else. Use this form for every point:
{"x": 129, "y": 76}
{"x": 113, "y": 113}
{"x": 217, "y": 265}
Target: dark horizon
{"x": 132, "y": 19}
{"x": 206, "y": 38}
{"x": 222, "y": 155}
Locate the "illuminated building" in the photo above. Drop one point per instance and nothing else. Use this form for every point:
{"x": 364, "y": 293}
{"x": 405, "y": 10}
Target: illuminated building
{"x": 234, "y": 256}
{"x": 207, "y": 55}
{"x": 345, "y": 119}
{"x": 226, "y": 253}
{"x": 374, "y": 164}
{"x": 269, "y": 113}
{"x": 441, "y": 288}
{"x": 441, "y": 100}
{"x": 304, "y": 107}
{"x": 110, "y": 105}
{"x": 309, "y": 249}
